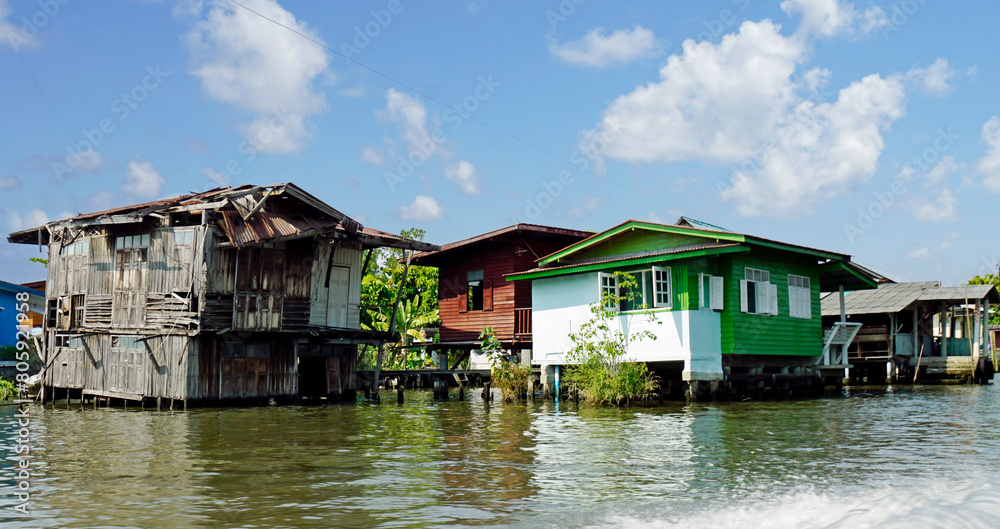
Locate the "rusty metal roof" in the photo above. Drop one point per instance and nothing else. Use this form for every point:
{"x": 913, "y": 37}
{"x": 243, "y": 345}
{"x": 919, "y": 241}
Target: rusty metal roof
{"x": 533, "y": 230}
{"x": 265, "y": 225}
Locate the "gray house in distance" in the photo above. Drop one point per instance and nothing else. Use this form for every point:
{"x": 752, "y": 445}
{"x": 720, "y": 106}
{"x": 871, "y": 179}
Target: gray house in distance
{"x": 250, "y": 292}
{"x": 942, "y": 331}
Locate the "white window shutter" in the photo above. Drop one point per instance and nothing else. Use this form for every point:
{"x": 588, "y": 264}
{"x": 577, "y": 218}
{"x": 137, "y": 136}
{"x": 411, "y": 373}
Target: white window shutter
{"x": 772, "y": 295}
{"x": 744, "y": 305}
{"x": 763, "y": 290}
{"x": 807, "y": 303}
{"x": 717, "y": 292}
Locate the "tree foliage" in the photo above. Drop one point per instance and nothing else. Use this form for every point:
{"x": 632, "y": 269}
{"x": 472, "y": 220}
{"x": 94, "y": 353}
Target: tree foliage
{"x": 418, "y": 307}
{"x": 601, "y": 345}
{"x": 989, "y": 279}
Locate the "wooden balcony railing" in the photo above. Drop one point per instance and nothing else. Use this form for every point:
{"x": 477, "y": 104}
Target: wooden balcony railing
{"x": 522, "y": 324}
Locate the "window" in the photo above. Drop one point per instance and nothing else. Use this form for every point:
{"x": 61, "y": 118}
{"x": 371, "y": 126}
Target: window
{"x": 799, "y": 297}
{"x": 474, "y": 296}
{"x": 609, "y": 289}
{"x": 183, "y": 237}
{"x": 121, "y": 341}
{"x": 64, "y": 340}
{"x": 710, "y": 291}
{"x": 652, "y": 289}
{"x": 52, "y": 314}
{"x": 76, "y": 248}
{"x": 77, "y": 304}
{"x": 662, "y": 292}
{"x": 132, "y": 242}
{"x": 757, "y": 294}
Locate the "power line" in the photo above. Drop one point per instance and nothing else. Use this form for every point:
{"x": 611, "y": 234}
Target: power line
{"x": 52, "y": 109}
{"x": 445, "y": 105}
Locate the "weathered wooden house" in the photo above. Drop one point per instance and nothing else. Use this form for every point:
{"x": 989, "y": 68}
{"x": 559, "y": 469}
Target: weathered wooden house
{"x": 942, "y": 330}
{"x": 732, "y": 307}
{"x": 235, "y": 293}
{"x": 473, "y": 293}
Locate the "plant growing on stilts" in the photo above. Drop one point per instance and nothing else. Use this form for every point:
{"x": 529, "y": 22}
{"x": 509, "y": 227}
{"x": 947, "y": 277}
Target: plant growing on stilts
{"x": 600, "y": 348}
{"x": 510, "y": 375}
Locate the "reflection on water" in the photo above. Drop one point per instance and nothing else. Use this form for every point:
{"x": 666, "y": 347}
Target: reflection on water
{"x": 922, "y": 457}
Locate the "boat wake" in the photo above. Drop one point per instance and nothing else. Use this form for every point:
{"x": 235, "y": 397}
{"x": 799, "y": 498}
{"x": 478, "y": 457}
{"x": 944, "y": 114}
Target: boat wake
{"x": 944, "y": 504}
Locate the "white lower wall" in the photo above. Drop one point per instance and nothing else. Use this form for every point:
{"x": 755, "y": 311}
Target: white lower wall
{"x": 562, "y": 304}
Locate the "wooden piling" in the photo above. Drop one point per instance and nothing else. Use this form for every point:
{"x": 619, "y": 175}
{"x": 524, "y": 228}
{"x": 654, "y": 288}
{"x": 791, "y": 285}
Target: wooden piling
{"x": 399, "y": 394}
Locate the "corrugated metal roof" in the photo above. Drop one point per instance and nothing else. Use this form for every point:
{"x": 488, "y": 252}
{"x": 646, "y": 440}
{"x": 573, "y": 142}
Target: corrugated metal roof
{"x": 888, "y": 298}
{"x": 264, "y": 225}
{"x": 534, "y": 229}
{"x": 960, "y": 293}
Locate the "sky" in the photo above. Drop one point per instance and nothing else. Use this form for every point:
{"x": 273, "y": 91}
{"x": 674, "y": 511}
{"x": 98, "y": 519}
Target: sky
{"x": 866, "y": 128}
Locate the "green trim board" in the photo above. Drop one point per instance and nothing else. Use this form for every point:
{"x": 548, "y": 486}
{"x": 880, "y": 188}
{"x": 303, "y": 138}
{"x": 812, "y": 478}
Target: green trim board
{"x": 632, "y": 225}
{"x": 620, "y": 263}
{"x": 718, "y": 236}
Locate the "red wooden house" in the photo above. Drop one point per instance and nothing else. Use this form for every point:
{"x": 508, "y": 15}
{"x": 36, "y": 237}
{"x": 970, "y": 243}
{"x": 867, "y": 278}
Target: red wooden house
{"x": 472, "y": 291}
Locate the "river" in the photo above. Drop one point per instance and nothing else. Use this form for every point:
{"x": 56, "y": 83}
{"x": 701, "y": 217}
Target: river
{"x": 902, "y": 457}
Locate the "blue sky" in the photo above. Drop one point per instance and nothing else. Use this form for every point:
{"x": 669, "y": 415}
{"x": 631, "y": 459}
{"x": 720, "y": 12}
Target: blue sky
{"x": 868, "y": 128}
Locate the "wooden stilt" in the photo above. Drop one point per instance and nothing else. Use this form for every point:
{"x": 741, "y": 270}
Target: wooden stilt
{"x": 399, "y": 394}
{"x": 158, "y": 404}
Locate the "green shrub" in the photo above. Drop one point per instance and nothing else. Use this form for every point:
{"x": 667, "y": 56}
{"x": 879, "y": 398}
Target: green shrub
{"x": 600, "y": 346}
{"x": 7, "y": 389}
{"x": 510, "y": 376}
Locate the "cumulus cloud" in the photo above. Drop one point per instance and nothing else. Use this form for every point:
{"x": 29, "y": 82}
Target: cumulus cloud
{"x": 989, "y": 165}
{"x": 742, "y": 102}
{"x": 926, "y": 252}
{"x": 827, "y": 18}
{"x": 941, "y": 209}
{"x": 464, "y": 174}
{"x": 933, "y": 79}
{"x": 32, "y": 219}
{"x": 944, "y": 168}
{"x": 599, "y": 50}
{"x": 261, "y": 67}
{"x": 411, "y": 117}
{"x": 142, "y": 180}
{"x": 10, "y": 34}
{"x": 423, "y": 208}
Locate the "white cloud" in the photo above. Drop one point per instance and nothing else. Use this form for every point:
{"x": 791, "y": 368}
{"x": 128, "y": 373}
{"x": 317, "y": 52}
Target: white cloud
{"x": 945, "y": 168}
{"x": 9, "y": 182}
{"x": 933, "y": 79}
{"x": 598, "y": 50}
{"x": 217, "y": 178}
{"x": 411, "y": 116}
{"x": 464, "y": 174}
{"x": 10, "y": 34}
{"x": 259, "y": 66}
{"x": 941, "y": 209}
{"x": 989, "y": 165}
{"x": 423, "y": 208}
{"x": 142, "y": 180}
{"x": 927, "y": 252}
{"x": 371, "y": 154}
{"x": 741, "y": 102}
{"x": 827, "y": 18}
{"x": 32, "y": 219}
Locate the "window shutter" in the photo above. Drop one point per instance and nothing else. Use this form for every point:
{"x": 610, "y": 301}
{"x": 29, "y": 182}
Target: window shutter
{"x": 717, "y": 292}
{"x": 807, "y": 303}
{"x": 487, "y": 294}
{"x": 772, "y": 295}
{"x": 463, "y": 298}
{"x": 744, "y": 305}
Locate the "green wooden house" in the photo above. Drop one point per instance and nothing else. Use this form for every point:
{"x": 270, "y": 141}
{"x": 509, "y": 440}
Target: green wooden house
{"x": 730, "y": 305}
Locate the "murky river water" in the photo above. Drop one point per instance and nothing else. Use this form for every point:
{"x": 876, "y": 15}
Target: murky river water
{"x": 907, "y": 458}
